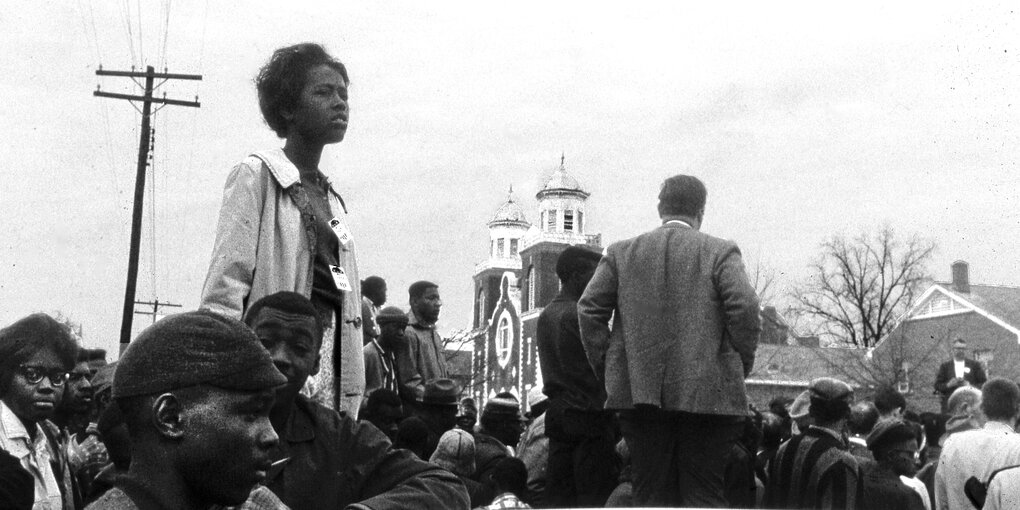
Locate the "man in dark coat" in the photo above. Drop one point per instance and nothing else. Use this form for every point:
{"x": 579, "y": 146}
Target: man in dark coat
{"x": 957, "y": 372}
{"x": 581, "y": 467}
{"x": 685, "y": 329}
{"x": 325, "y": 460}
{"x": 815, "y": 469}
{"x": 894, "y": 446}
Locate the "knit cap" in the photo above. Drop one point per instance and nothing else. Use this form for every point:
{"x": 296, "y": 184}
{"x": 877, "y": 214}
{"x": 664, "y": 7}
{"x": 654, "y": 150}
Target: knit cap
{"x": 391, "y": 314}
{"x": 194, "y": 348}
{"x": 455, "y": 452}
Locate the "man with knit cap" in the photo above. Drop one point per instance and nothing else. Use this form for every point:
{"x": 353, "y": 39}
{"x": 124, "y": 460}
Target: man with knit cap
{"x": 685, "y": 329}
{"x": 380, "y": 371}
{"x": 196, "y": 390}
{"x": 815, "y": 469}
{"x": 894, "y": 446}
{"x": 324, "y": 459}
{"x": 456, "y": 454}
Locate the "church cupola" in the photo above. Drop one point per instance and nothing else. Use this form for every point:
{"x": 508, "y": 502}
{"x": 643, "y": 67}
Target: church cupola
{"x": 561, "y": 203}
{"x": 506, "y": 228}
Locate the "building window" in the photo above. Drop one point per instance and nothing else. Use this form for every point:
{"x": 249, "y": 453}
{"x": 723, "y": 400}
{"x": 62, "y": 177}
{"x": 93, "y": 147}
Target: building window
{"x": 772, "y": 368}
{"x": 550, "y": 224}
{"x": 903, "y": 380}
{"x": 580, "y": 222}
{"x": 481, "y": 307}
{"x": 492, "y": 248}
{"x": 568, "y": 221}
{"x": 531, "y": 289}
{"x": 513, "y": 247}
{"x": 500, "y": 248}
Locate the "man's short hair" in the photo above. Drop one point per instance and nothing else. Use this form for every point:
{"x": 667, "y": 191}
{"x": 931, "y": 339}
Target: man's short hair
{"x": 682, "y": 195}
{"x": 418, "y": 289}
{"x": 863, "y": 416}
{"x": 964, "y": 395}
{"x": 289, "y": 302}
{"x": 372, "y": 286}
{"x": 575, "y": 259}
{"x": 887, "y": 400}
{"x": 1000, "y": 399}
{"x": 29, "y": 335}
{"x": 512, "y": 475}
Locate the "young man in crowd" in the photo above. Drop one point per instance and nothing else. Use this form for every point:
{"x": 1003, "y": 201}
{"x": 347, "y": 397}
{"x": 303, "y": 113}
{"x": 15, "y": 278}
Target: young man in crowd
{"x": 195, "y": 390}
{"x": 509, "y": 478}
{"x": 380, "y": 352}
{"x": 438, "y": 410}
{"x": 86, "y": 453}
{"x": 421, "y": 359}
{"x": 582, "y": 466}
{"x": 814, "y": 469}
{"x": 373, "y": 296}
{"x": 894, "y": 446}
{"x": 384, "y": 411}
{"x": 36, "y": 354}
{"x": 325, "y": 460}
{"x": 498, "y": 435}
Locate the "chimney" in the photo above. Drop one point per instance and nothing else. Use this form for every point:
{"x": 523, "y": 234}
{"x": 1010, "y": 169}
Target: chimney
{"x": 961, "y": 277}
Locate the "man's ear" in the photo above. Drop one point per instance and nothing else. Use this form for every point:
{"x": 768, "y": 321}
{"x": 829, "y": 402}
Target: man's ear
{"x": 315, "y": 367}
{"x": 167, "y": 416}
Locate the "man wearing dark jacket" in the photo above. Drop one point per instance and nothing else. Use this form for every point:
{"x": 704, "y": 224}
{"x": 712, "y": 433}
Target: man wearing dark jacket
{"x": 957, "y": 372}
{"x": 325, "y": 460}
{"x": 581, "y": 466}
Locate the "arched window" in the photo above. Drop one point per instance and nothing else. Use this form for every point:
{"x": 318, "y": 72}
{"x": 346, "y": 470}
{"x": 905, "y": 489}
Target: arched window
{"x": 504, "y": 340}
{"x": 481, "y": 307}
{"x": 568, "y": 220}
{"x": 551, "y": 221}
{"x": 580, "y": 222}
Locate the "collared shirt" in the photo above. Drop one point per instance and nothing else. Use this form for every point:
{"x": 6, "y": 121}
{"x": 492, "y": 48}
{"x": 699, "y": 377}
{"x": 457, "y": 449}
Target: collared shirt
{"x": 34, "y": 457}
{"x": 682, "y": 222}
{"x": 420, "y": 359}
{"x": 506, "y": 500}
{"x": 379, "y": 370}
{"x": 960, "y": 368}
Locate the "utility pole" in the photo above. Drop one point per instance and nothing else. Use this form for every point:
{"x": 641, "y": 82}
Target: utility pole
{"x": 155, "y": 307}
{"x": 143, "y": 150}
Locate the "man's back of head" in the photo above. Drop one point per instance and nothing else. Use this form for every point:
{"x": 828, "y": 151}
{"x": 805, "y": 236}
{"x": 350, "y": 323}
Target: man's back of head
{"x": 1000, "y": 400}
{"x": 863, "y": 416}
{"x": 889, "y": 402}
{"x": 964, "y": 400}
{"x": 684, "y": 196}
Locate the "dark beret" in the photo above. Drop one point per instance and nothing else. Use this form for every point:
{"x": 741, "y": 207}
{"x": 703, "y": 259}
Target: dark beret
{"x": 194, "y": 348}
{"x": 391, "y": 314}
{"x": 889, "y": 431}
{"x": 444, "y": 392}
{"x": 828, "y": 388}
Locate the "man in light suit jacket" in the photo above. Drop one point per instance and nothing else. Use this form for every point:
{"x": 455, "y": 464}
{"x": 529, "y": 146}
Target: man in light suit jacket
{"x": 957, "y": 372}
{"x": 684, "y": 334}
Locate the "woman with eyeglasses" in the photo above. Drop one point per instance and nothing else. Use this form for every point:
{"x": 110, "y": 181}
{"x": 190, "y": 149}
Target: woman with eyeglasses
{"x": 36, "y": 355}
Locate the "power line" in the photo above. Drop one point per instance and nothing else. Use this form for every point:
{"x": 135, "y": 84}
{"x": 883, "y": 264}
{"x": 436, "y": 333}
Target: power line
{"x": 143, "y": 158}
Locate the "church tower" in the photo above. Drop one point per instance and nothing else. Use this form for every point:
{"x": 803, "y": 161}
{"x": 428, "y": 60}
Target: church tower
{"x": 517, "y": 280}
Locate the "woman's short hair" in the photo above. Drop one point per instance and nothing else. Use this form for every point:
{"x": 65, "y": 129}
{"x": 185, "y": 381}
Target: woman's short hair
{"x": 29, "y": 335}
{"x": 283, "y": 77}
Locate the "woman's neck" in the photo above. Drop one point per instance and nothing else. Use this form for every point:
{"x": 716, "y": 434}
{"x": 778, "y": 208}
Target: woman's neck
{"x": 304, "y": 155}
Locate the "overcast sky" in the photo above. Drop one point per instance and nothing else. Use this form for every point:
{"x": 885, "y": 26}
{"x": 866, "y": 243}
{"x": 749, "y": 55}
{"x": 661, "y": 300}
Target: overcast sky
{"x": 804, "y": 120}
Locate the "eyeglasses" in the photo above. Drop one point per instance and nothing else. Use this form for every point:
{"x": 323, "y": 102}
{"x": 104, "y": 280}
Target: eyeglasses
{"x": 77, "y": 376}
{"x": 34, "y": 375}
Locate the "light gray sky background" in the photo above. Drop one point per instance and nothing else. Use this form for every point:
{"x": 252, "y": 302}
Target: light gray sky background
{"x": 804, "y": 120}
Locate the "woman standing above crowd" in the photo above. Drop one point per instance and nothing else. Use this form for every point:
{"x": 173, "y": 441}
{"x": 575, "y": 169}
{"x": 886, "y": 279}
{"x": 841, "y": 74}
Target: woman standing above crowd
{"x": 283, "y": 225}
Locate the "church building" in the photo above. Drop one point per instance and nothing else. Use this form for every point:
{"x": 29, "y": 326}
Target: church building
{"x": 517, "y": 280}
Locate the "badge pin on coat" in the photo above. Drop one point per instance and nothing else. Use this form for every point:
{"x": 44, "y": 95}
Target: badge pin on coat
{"x": 340, "y": 230}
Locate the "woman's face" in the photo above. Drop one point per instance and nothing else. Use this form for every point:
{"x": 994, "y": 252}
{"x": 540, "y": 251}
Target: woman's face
{"x": 321, "y": 113}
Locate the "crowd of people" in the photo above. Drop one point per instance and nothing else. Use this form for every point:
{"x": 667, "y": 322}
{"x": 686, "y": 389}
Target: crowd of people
{"x": 296, "y": 386}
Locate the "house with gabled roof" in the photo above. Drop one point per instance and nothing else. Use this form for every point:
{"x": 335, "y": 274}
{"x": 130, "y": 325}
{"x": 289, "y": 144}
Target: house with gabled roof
{"x": 986, "y": 316}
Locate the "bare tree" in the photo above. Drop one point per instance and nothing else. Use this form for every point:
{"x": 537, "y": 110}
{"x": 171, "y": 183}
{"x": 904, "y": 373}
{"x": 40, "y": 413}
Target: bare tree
{"x": 860, "y": 286}
{"x": 763, "y": 279}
